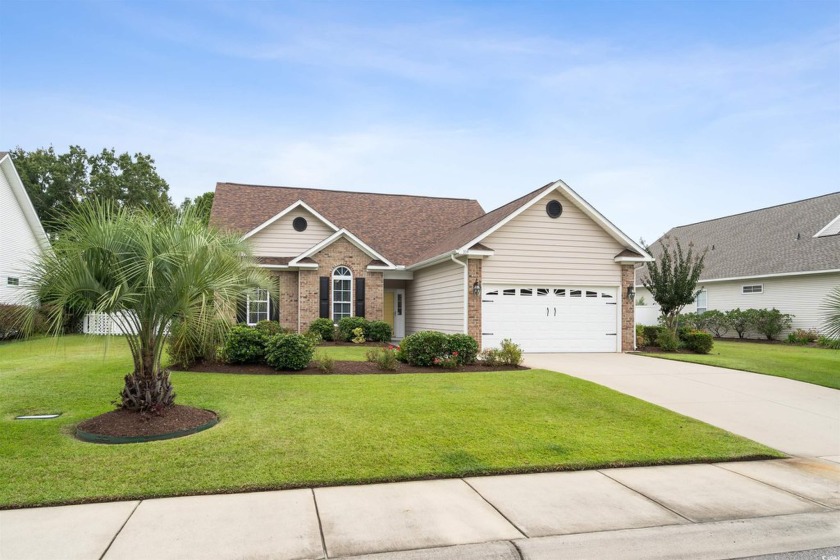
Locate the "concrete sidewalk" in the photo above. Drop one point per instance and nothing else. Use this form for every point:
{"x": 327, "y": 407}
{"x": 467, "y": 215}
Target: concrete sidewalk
{"x": 726, "y": 510}
{"x": 795, "y": 417}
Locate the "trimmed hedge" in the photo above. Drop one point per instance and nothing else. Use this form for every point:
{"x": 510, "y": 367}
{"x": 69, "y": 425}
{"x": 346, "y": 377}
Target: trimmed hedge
{"x": 244, "y": 345}
{"x": 423, "y": 348}
{"x": 379, "y": 331}
{"x": 289, "y": 351}
{"x": 348, "y": 324}
{"x": 698, "y": 341}
{"x": 322, "y": 327}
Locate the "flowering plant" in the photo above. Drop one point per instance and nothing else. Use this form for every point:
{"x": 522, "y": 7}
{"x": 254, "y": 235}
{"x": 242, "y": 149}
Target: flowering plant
{"x": 448, "y": 360}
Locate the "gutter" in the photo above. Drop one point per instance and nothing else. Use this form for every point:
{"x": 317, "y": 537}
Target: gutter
{"x": 466, "y": 292}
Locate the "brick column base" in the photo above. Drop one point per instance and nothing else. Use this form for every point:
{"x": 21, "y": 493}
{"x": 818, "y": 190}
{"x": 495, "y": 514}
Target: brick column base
{"x": 628, "y": 309}
{"x": 474, "y": 301}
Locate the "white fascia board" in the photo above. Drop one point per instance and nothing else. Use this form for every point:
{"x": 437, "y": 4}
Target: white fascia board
{"x": 273, "y": 266}
{"x": 375, "y": 267}
{"x": 19, "y": 191}
{"x": 298, "y": 204}
{"x": 432, "y": 261}
{"x": 830, "y": 226}
{"x": 584, "y": 206}
{"x": 477, "y": 253}
{"x": 361, "y": 245}
{"x": 631, "y": 259}
{"x": 779, "y": 275}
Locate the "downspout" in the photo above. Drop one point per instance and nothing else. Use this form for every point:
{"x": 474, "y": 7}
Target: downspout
{"x": 298, "y": 298}
{"x": 466, "y": 292}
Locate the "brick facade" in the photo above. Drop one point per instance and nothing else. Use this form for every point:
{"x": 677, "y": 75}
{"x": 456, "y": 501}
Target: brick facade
{"x": 339, "y": 253}
{"x": 474, "y": 301}
{"x": 628, "y": 309}
{"x": 288, "y": 303}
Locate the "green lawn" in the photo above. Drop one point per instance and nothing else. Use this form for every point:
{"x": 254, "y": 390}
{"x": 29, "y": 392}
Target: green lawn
{"x": 811, "y": 365}
{"x": 344, "y": 353}
{"x": 301, "y": 430}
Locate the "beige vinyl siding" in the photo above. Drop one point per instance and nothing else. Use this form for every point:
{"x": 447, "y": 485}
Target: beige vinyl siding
{"x": 801, "y": 296}
{"x": 19, "y": 245}
{"x": 281, "y": 240}
{"x": 435, "y": 299}
{"x": 535, "y": 248}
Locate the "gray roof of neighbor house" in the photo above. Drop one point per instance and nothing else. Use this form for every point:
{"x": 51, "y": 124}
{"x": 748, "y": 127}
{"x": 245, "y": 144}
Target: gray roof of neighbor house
{"x": 775, "y": 240}
{"x": 399, "y": 227}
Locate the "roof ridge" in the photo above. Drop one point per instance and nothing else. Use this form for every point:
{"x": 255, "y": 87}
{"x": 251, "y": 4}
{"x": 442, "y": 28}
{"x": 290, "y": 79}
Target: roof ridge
{"x": 753, "y": 211}
{"x": 345, "y": 191}
{"x": 533, "y": 192}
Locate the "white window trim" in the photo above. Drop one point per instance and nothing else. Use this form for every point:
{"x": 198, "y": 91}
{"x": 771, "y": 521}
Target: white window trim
{"x": 705, "y": 294}
{"x": 333, "y": 300}
{"x": 752, "y": 292}
{"x": 13, "y": 281}
{"x": 248, "y": 301}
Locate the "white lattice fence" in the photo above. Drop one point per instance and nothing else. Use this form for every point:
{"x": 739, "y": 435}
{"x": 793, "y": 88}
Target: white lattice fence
{"x": 104, "y": 324}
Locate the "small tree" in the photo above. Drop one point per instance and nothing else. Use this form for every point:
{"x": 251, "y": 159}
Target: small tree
{"x": 152, "y": 273}
{"x": 771, "y": 322}
{"x": 672, "y": 279}
{"x": 742, "y": 321}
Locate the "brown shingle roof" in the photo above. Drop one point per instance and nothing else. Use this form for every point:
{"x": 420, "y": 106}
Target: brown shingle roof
{"x": 774, "y": 240}
{"x": 400, "y": 227}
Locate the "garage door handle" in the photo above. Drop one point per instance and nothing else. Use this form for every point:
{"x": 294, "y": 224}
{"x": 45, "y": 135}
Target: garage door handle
{"x": 555, "y": 312}
{"x": 546, "y": 311}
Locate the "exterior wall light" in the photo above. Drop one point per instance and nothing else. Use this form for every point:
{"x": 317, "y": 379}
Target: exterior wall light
{"x": 631, "y": 293}
{"x": 477, "y": 289}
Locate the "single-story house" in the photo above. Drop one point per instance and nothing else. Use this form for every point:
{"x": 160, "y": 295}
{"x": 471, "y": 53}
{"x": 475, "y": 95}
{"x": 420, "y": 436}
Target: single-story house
{"x": 21, "y": 230}
{"x": 785, "y": 256}
{"x": 546, "y": 270}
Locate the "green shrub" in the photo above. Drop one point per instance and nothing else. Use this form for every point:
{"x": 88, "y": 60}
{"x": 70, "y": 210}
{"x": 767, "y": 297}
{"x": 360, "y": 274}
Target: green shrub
{"x": 771, "y": 322}
{"x": 489, "y": 357}
{"x": 448, "y": 360}
{"x": 314, "y": 338}
{"x": 347, "y": 325}
{"x": 379, "y": 331}
{"x": 289, "y": 351}
{"x": 244, "y": 345}
{"x": 510, "y": 354}
{"x": 187, "y": 347}
{"x": 13, "y": 319}
{"x": 358, "y": 335}
{"x": 640, "y": 335}
{"x": 322, "y": 327}
{"x": 691, "y": 321}
{"x": 269, "y": 328}
{"x": 801, "y": 336}
{"x": 651, "y": 334}
{"x": 716, "y": 322}
{"x": 682, "y": 332}
{"x": 325, "y": 363}
{"x": 831, "y": 343}
{"x": 698, "y": 341}
{"x": 667, "y": 340}
{"x": 465, "y": 346}
{"x": 384, "y": 358}
{"x": 421, "y": 348}
{"x": 741, "y": 321}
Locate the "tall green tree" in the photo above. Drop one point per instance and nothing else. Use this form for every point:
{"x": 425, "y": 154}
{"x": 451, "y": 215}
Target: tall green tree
{"x": 149, "y": 271}
{"x": 203, "y": 203}
{"x": 672, "y": 278}
{"x": 57, "y": 182}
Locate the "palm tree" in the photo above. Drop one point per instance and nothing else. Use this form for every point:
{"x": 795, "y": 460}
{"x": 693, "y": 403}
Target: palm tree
{"x": 831, "y": 327}
{"x": 149, "y": 271}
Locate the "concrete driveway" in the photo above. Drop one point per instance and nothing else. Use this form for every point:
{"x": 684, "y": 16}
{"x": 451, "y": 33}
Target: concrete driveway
{"x": 791, "y": 416}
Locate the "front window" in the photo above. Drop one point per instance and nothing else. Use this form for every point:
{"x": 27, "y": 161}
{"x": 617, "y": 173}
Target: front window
{"x": 257, "y": 306}
{"x": 342, "y": 292}
{"x": 702, "y": 301}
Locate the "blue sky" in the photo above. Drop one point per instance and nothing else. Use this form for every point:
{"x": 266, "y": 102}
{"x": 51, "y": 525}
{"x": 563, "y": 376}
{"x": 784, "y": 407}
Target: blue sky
{"x": 657, "y": 113}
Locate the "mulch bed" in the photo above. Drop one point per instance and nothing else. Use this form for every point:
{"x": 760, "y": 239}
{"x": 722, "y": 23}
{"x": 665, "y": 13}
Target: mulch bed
{"x": 340, "y": 368}
{"x": 125, "y": 423}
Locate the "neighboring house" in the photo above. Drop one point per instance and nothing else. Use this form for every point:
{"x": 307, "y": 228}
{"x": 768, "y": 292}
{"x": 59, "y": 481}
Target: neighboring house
{"x": 546, "y": 270}
{"x": 785, "y": 256}
{"x": 22, "y": 233}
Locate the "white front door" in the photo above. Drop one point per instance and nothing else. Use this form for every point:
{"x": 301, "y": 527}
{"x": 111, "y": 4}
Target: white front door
{"x": 549, "y": 318}
{"x": 395, "y": 306}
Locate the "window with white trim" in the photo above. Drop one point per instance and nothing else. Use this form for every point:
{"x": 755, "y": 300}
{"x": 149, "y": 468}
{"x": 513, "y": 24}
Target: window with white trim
{"x": 702, "y": 301}
{"x": 753, "y": 289}
{"x": 256, "y": 306}
{"x": 342, "y": 293}
{"x": 13, "y": 281}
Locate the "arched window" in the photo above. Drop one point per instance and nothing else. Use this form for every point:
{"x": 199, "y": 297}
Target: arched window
{"x": 342, "y": 293}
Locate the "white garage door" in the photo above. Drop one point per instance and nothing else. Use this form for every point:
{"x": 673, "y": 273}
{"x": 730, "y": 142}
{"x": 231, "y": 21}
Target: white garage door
{"x": 551, "y": 318}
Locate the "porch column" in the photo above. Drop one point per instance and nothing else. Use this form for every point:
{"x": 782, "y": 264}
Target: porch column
{"x": 474, "y": 301}
{"x": 628, "y": 309}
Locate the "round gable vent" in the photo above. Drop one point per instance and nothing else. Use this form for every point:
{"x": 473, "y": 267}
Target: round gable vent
{"x": 299, "y": 223}
{"x": 553, "y": 208}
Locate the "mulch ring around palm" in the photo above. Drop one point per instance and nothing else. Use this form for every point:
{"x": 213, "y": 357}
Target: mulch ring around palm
{"x": 125, "y": 426}
{"x": 339, "y": 368}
